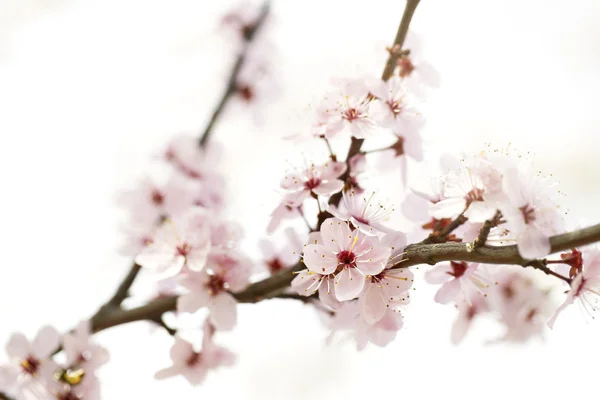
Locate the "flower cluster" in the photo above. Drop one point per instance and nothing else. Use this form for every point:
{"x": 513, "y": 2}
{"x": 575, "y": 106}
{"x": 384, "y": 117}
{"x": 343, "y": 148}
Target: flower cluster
{"x": 33, "y": 371}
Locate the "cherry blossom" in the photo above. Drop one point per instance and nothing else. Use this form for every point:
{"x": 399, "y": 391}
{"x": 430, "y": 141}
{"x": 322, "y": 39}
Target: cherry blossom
{"x": 26, "y": 373}
{"x": 363, "y": 210}
{"x": 227, "y": 271}
{"x": 458, "y": 279}
{"x": 178, "y": 242}
{"x": 467, "y": 311}
{"x": 350, "y": 256}
{"x": 81, "y": 351}
{"x": 277, "y": 260}
{"x": 585, "y": 287}
{"x": 282, "y": 212}
{"x": 473, "y": 189}
{"x": 194, "y": 162}
{"x": 417, "y": 73}
{"x": 394, "y": 108}
{"x": 349, "y": 106}
{"x": 317, "y": 180}
{"x": 380, "y": 333}
{"x": 531, "y": 214}
{"x": 194, "y": 364}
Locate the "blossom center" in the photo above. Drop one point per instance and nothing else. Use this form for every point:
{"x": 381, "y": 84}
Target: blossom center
{"x": 312, "y": 183}
{"x": 274, "y": 265}
{"x": 395, "y": 107}
{"x": 346, "y": 259}
{"x": 351, "y": 114}
{"x": 193, "y": 360}
{"x": 30, "y": 365}
{"x": 246, "y": 92}
{"x": 183, "y": 249}
{"x": 528, "y": 213}
{"x": 458, "y": 269}
{"x": 216, "y": 284}
{"x": 158, "y": 199}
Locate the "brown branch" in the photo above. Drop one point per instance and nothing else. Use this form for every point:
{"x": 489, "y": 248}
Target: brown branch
{"x": 442, "y": 235}
{"x": 388, "y": 71}
{"x": 485, "y": 230}
{"x": 123, "y": 290}
{"x": 231, "y": 87}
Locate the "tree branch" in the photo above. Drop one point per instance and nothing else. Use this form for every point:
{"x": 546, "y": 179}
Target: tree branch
{"x": 388, "y": 71}
{"x": 231, "y": 87}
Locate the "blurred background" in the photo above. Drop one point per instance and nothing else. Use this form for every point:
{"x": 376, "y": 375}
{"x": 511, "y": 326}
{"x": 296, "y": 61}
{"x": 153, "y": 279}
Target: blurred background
{"x": 90, "y": 91}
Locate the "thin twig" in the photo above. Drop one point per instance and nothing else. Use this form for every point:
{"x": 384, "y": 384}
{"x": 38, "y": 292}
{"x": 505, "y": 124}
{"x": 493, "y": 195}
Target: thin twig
{"x": 442, "y": 235}
{"x": 485, "y": 230}
{"x": 388, "y": 71}
{"x": 231, "y": 87}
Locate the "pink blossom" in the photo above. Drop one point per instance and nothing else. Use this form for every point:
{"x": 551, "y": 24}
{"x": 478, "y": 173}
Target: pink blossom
{"x": 81, "y": 351}
{"x": 150, "y": 200}
{"x": 178, "y": 242}
{"x": 394, "y": 108}
{"x": 350, "y": 256}
{"x": 363, "y": 210}
{"x": 473, "y": 189}
{"x": 241, "y": 20}
{"x": 522, "y": 306}
{"x": 350, "y": 107}
{"x": 380, "y": 333}
{"x": 467, "y": 311}
{"x": 317, "y": 180}
{"x": 83, "y": 385}
{"x": 25, "y": 374}
{"x": 531, "y": 214}
{"x": 193, "y": 365}
{"x": 281, "y": 213}
{"x": 585, "y": 287}
{"x": 383, "y": 292}
{"x": 227, "y": 271}
{"x": 417, "y": 73}
{"x": 458, "y": 279}
{"x": 408, "y": 144}
{"x": 187, "y": 157}
{"x": 279, "y": 259}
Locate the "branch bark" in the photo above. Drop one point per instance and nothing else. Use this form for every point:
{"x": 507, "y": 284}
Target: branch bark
{"x": 231, "y": 87}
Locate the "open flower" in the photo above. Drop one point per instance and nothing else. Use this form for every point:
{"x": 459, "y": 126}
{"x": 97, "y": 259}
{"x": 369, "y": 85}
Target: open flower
{"x": 351, "y": 256}
{"x": 363, "y": 210}
{"x": 318, "y": 180}
{"x": 585, "y": 288}
{"x": 178, "y": 242}
{"x": 81, "y": 351}
{"x": 458, "y": 279}
{"x": 227, "y": 271}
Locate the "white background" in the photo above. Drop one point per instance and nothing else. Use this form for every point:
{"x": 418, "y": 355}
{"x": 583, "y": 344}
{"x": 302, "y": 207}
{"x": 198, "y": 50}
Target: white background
{"x": 90, "y": 90}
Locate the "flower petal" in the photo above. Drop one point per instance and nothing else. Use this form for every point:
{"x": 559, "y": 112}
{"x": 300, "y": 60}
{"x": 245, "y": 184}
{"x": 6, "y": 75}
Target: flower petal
{"x": 192, "y": 302}
{"x": 447, "y": 208}
{"x": 448, "y": 292}
{"x": 328, "y": 188}
{"x": 18, "y": 346}
{"x": 532, "y": 243}
{"x": 223, "y": 311}
{"x": 373, "y": 304}
{"x": 319, "y": 259}
{"x": 336, "y": 234}
{"x": 348, "y": 284}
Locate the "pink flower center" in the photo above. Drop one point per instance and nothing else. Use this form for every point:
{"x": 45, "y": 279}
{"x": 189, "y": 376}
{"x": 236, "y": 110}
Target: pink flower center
{"x": 528, "y": 213}
{"x": 346, "y": 259}
{"x": 275, "y": 265}
{"x": 312, "y": 183}
{"x": 475, "y": 194}
{"x": 351, "y": 114}
{"x": 215, "y": 285}
{"x": 68, "y": 396}
{"x": 406, "y": 66}
{"x": 183, "y": 249}
{"x": 458, "y": 269}
{"x": 245, "y": 92}
{"x": 30, "y": 365}
{"x": 193, "y": 360}
{"x": 158, "y": 199}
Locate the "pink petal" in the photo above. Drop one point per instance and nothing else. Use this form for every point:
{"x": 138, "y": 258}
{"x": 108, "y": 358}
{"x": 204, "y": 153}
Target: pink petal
{"x": 306, "y": 283}
{"x": 438, "y": 274}
{"x": 447, "y": 208}
{"x": 195, "y": 375}
{"x": 223, "y": 311}
{"x": 429, "y": 75}
{"x": 448, "y": 292}
{"x": 292, "y": 182}
{"x": 415, "y": 208}
{"x": 295, "y": 199}
{"x": 168, "y": 372}
{"x": 196, "y": 258}
{"x": 532, "y": 243}
{"x": 373, "y": 303}
{"x": 348, "y": 284}
{"x": 336, "y": 234}
{"x": 18, "y": 346}
{"x": 373, "y": 261}
{"x": 570, "y": 299}
{"x": 327, "y": 293}
{"x": 192, "y": 302}
{"x": 396, "y": 282}
{"x": 181, "y": 350}
{"x": 46, "y": 342}
{"x": 159, "y": 256}
{"x": 480, "y": 211}
{"x": 513, "y": 187}
{"x": 320, "y": 260}
{"x": 329, "y": 187}
{"x": 332, "y": 170}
